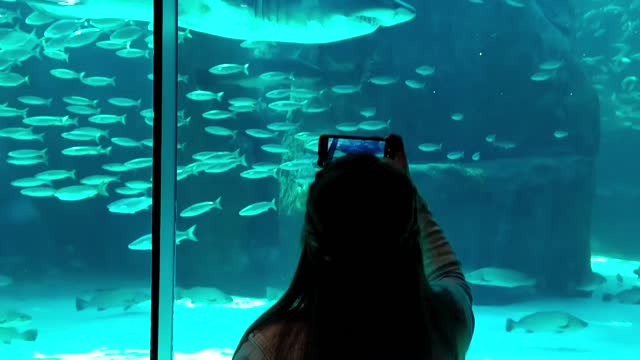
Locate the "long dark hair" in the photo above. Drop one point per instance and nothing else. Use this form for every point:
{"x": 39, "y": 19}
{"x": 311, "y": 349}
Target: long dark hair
{"x": 360, "y": 288}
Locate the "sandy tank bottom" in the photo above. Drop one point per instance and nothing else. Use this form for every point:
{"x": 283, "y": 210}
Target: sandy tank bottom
{"x": 211, "y": 332}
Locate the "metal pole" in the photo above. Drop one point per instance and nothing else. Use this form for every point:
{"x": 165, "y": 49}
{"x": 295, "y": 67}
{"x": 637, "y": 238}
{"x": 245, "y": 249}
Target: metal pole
{"x": 165, "y": 60}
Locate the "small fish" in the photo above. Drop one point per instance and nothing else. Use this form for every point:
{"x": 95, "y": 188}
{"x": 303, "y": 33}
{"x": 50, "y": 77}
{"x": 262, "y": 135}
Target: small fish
{"x": 226, "y": 69}
{"x": 426, "y": 70}
{"x": 126, "y": 34}
{"x": 457, "y": 116}
{"x": 259, "y": 133}
{"x": 429, "y": 147}
{"x": 259, "y": 173}
{"x": 285, "y": 105}
{"x": 116, "y": 167}
{"x": 415, "y": 84}
{"x": 499, "y": 277}
{"x": 345, "y": 89}
{"x": 38, "y": 191}
{"x": 221, "y": 131}
{"x": 559, "y": 134}
{"x": 29, "y": 182}
{"x": 275, "y": 148}
{"x": 144, "y": 242}
{"x": 551, "y": 65}
{"x": 541, "y": 76}
{"x": 203, "y": 95}
{"x": 201, "y": 208}
{"x": 258, "y": 208}
{"x": 81, "y": 192}
{"x": 455, "y": 155}
{"x": 49, "y": 175}
{"x": 86, "y": 150}
{"x": 348, "y": 126}
{"x": 547, "y": 321}
{"x": 130, "y": 205}
{"x": 383, "y": 80}
{"x": 373, "y": 125}
{"x": 35, "y": 100}
{"x": 139, "y": 163}
{"x": 124, "y": 102}
{"x": 282, "y": 126}
{"x": 218, "y": 114}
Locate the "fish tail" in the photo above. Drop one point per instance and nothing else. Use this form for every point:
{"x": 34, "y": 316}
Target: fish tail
{"x": 219, "y": 95}
{"x": 246, "y": 69}
{"x": 81, "y": 304}
{"x": 191, "y": 234}
{"x": 29, "y": 335}
{"x": 273, "y": 204}
{"x": 511, "y": 324}
{"x": 102, "y": 189}
{"x": 218, "y": 202}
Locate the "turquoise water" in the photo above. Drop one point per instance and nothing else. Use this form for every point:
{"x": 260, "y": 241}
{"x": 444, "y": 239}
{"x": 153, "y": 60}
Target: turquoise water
{"x": 508, "y": 124}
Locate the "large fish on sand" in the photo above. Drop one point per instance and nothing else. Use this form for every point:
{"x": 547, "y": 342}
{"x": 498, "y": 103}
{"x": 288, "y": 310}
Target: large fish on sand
{"x": 123, "y": 298}
{"x": 10, "y": 334}
{"x": 12, "y": 318}
{"x": 294, "y": 21}
{"x": 629, "y": 296}
{"x": 547, "y": 321}
{"x": 203, "y": 295}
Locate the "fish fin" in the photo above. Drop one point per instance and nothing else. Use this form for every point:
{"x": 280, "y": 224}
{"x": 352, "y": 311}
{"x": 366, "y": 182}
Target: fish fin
{"x": 81, "y": 304}
{"x": 511, "y": 324}
{"x": 273, "y": 204}
{"x": 246, "y": 69}
{"x": 218, "y": 202}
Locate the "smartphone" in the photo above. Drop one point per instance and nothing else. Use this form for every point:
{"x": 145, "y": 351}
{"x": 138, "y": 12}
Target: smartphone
{"x": 334, "y": 146}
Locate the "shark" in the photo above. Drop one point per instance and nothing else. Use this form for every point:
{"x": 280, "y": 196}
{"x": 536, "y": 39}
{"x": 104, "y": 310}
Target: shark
{"x": 289, "y": 21}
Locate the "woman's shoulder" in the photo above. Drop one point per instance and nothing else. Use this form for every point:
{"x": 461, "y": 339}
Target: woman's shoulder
{"x": 262, "y": 343}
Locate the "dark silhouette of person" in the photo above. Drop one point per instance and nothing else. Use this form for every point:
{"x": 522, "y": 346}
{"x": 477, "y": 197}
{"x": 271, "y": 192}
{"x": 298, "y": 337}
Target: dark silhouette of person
{"x": 376, "y": 279}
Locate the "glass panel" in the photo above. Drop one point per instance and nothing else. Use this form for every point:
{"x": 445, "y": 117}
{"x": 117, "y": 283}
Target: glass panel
{"x": 501, "y": 123}
{"x": 76, "y": 176}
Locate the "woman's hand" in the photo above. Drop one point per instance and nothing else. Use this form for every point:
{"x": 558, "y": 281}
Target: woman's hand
{"x": 400, "y": 158}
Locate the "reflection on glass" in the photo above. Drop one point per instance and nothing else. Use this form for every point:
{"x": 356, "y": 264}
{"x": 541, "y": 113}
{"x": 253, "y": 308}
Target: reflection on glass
{"x": 501, "y": 146}
{"x": 76, "y": 181}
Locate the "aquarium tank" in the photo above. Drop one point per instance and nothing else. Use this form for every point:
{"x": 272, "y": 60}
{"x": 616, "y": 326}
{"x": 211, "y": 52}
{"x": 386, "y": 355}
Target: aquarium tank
{"x": 520, "y": 119}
